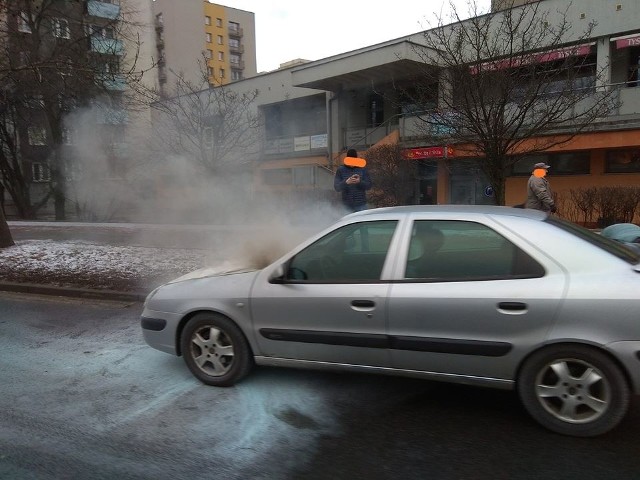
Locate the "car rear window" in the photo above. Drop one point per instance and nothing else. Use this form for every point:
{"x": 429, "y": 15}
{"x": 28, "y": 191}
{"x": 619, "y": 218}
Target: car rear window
{"x": 611, "y": 246}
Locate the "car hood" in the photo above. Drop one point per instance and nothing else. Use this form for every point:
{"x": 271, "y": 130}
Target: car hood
{"x": 216, "y": 271}
{"x": 222, "y": 291}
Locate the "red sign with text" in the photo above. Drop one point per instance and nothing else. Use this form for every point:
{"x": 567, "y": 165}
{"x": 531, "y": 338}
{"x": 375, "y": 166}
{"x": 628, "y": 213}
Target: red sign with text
{"x": 427, "y": 152}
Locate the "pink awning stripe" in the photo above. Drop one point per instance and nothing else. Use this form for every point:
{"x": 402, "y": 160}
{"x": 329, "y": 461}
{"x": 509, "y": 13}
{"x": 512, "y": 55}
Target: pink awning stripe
{"x": 628, "y": 41}
{"x": 540, "y": 57}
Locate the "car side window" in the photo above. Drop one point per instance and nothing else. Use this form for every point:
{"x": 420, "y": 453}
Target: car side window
{"x": 350, "y": 254}
{"x": 459, "y": 250}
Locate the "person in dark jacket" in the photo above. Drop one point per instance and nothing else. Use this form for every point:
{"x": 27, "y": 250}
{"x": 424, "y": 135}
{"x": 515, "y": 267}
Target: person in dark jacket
{"x": 352, "y": 180}
{"x": 539, "y": 195}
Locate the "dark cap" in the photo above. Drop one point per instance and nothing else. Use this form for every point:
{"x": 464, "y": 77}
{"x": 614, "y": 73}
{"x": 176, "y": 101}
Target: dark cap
{"x": 541, "y": 165}
{"x": 352, "y": 152}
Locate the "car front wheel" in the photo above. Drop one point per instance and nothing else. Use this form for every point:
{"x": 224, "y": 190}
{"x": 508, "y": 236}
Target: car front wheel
{"x": 574, "y": 390}
{"x": 215, "y": 350}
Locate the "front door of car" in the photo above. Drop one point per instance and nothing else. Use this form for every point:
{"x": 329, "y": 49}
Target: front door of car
{"x": 331, "y": 304}
{"x": 471, "y": 303}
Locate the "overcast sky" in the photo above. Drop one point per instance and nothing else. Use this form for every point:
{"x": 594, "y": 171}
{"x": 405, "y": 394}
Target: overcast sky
{"x": 291, "y": 29}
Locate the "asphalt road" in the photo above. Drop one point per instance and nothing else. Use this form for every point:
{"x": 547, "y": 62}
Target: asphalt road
{"x": 83, "y": 397}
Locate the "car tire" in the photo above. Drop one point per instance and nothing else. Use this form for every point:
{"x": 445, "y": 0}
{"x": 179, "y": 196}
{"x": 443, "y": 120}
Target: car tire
{"x": 573, "y": 390}
{"x": 215, "y": 350}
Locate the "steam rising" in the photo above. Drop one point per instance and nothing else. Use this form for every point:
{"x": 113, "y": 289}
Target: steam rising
{"x": 237, "y": 225}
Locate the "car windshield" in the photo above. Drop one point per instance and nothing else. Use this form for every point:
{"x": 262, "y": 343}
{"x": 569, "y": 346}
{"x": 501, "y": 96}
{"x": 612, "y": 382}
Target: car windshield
{"x": 611, "y": 246}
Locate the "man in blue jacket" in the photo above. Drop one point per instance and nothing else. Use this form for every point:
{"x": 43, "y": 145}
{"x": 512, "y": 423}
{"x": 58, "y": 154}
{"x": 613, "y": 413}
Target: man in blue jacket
{"x": 352, "y": 180}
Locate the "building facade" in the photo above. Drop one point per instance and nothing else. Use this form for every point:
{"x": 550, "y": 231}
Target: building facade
{"x": 190, "y": 28}
{"x": 315, "y": 111}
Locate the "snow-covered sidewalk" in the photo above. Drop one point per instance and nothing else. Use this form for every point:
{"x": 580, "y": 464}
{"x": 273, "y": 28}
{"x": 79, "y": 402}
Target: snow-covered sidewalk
{"x": 83, "y": 264}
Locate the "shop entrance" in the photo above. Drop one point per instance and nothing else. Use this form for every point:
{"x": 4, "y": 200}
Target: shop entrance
{"x": 427, "y": 182}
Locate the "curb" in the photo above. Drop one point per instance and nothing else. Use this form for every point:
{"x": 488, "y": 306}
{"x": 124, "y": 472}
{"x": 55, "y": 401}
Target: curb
{"x": 73, "y": 292}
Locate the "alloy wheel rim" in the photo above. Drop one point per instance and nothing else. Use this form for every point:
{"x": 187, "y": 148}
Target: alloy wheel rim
{"x": 573, "y": 390}
{"x": 212, "y": 351}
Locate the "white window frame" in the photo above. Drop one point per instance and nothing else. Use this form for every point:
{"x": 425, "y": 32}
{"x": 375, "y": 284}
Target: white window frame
{"x": 207, "y": 20}
{"x": 208, "y": 36}
{"x": 220, "y": 56}
{"x": 61, "y": 28}
{"x": 220, "y": 40}
{"x": 222, "y": 73}
{"x": 40, "y": 172}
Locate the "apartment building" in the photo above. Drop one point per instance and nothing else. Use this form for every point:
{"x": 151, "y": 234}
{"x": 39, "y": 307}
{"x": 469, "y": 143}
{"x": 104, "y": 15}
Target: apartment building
{"x": 188, "y": 29}
{"x": 66, "y": 102}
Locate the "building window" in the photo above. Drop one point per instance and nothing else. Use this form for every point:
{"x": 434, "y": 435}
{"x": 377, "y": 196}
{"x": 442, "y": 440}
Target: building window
{"x": 234, "y": 27}
{"x": 623, "y": 161}
{"x": 304, "y": 175}
{"x": 37, "y": 135}
{"x": 67, "y": 136}
{"x": 65, "y": 67}
{"x": 277, "y": 176}
{"x": 220, "y": 42}
{"x": 234, "y": 59}
{"x": 221, "y": 56}
{"x": 218, "y": 22}
{"x": 234, "y": 43}
{"x": 236, "y": 75}
{"x": 208, "y": 137}
{"x": 61, "y": 28}
{"x": 222, "y": 73}
{"x": 207, "y": 20}
{"x": 570, "y": 163}
{"x": 23, "y": 23}
{"x": 208, "y": 38}
{"x": 101, "y": 32}
{"x": 40, "y": 172}
{"x": 209, "y": 54}
{"x": 23, "y": 59}
{"x": 210, "y": 71}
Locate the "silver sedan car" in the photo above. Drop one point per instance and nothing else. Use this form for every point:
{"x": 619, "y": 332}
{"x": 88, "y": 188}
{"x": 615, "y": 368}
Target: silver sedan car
{"x": 488, "y": 296}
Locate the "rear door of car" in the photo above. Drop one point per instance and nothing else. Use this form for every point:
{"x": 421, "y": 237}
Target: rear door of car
{"x": 476, "y": 305}
{"x": 332, "y": 305}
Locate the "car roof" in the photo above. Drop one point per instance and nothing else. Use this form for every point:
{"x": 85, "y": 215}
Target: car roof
{"x": 453, "y": 209}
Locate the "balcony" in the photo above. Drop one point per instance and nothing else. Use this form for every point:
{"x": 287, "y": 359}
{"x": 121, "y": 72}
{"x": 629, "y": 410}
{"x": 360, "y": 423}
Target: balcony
{"x": 113, "y": 82}
{"x": 107, "y": 46}
{"x": 235, "y": 32}
{"x": 237, "y": 65}
{"x": 111, "y": 116}
{"x": 96, "y": 8}
{"x": 239, "y": 49}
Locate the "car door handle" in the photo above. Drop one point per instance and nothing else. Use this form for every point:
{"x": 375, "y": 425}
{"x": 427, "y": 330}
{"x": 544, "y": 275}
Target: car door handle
{"x": 363, "y": 303}
{"x": 512, "y": 307}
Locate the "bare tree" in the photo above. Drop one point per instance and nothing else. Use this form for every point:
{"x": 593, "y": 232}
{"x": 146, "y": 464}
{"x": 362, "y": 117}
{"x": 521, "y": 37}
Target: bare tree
{"x": 509, "y": 84}
{"x": 58, "y": 59}
{"x": 391, "y": 173}
{"x": 214, "y": 126}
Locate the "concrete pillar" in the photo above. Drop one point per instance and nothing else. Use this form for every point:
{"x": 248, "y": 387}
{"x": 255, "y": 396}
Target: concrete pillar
{"x": 603, "y": 62}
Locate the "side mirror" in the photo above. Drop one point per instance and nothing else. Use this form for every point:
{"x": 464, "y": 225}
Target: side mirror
{"x": 277, "y": 276}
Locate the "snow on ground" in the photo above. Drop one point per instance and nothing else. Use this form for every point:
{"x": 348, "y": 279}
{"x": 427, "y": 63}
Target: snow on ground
{"x": 90, "y": 265}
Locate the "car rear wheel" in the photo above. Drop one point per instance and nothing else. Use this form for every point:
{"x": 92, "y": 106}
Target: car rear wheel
{"x": 215, "y": 350}
{"x": 574, "y": 390}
